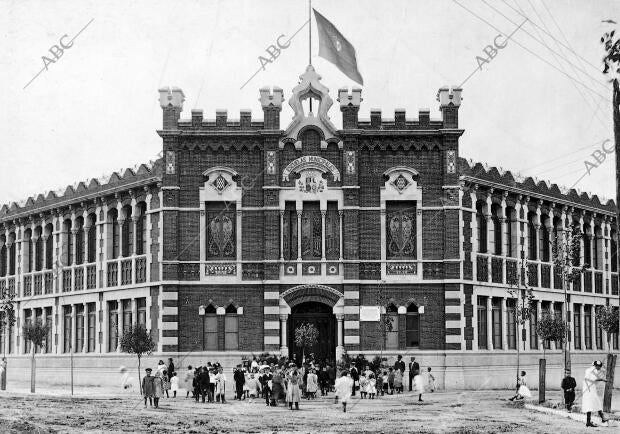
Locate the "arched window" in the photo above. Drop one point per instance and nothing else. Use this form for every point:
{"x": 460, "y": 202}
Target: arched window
{"x": 511, "y": 220}
{"x": 587, "y": 245}
{"x": 614, "y": 251}
{"x": 79, "y": 241}
{"x": 532, "y": 241}
{"x": 12, "y": 250}
{"x": 597, "y": 249}
{"x": 391, "y": 336}
{"x": 481, "y": 221}
{"x": 127, "y": 243}
{"x": 28, "y": 250}
{"x": 497, "y": 229}
{"x": 92, "y": 238}
{"x": 544, "y": 238}
{"x": 49, "y": 246}
{"x": 113, "y": 234}
{"x": 310, "y": 139}
{"x": 3, "y": 256}
{"x": 141, "y": 229}
{"x": 413, "y": 326}
{"x": 68, "y": 236}
{"x": 209, "y": 340}
{"x": 231, "y": 328}
{"x": 39, "y": 248}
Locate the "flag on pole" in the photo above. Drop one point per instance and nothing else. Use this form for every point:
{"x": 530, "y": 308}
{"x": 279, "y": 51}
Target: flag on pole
{"x": 335, "y": 48}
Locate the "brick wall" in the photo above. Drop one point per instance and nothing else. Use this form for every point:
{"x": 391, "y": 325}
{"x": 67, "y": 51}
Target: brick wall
{"x": 249, "y": 297}
{"x": 432, "y": 322}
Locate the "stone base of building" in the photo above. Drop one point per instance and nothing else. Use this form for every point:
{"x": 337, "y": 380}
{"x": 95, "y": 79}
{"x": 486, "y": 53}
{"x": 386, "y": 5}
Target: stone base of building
{"x": 452, "y": 370}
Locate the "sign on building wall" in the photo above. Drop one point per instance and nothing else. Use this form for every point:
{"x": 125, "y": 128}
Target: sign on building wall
{"x": 370, "y": 313}
{"x": 310, "y": 162}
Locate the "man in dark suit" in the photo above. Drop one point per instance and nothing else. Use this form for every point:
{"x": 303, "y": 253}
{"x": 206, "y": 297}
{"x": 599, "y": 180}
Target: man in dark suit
{"x": 414, "y": 369}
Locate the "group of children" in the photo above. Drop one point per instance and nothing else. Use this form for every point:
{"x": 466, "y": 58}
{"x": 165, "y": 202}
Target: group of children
{"x": 282, "y": 382}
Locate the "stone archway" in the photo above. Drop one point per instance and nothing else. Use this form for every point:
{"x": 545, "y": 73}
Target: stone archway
{"x": 303, "y": 303}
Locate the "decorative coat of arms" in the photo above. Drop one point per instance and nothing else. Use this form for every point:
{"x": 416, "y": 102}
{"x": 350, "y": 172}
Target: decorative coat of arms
{"x": 311, "y": 182}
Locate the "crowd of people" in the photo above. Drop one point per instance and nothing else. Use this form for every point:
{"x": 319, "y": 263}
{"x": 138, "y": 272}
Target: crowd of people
{"x": 282, "y": 382}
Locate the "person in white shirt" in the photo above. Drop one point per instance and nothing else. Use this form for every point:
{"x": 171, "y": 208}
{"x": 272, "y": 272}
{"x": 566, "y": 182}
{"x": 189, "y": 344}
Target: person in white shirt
{"x": 590, "y": 401}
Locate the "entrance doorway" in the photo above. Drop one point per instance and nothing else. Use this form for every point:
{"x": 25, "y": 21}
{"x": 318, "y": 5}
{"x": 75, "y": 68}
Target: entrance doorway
{"x": 324, "y": 320}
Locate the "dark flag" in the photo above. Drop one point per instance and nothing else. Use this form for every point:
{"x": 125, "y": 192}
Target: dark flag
{"x": 335, "y": 48}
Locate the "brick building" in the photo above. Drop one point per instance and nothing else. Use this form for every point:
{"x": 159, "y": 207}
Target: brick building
{"x": 243, "y": 230}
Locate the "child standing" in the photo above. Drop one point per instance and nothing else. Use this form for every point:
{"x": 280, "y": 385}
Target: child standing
{"x": 174, "y": 384}
{"x": 379, "y": 383}
{"x": 391, "y": 380}
{"x": 363, "y": 386}
{"x": 386, "y": 383}
{"x": 430, "y": 381}
{"x": 398, "y": 380}
{"x": 148, "y": 388}
{"x": 158, "y": 386}
{"x": 344, "y": 388}
{"x": 372, "y": 386}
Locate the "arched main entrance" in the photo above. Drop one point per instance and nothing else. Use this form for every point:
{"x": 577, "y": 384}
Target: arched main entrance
{"x": 322, "y": 317}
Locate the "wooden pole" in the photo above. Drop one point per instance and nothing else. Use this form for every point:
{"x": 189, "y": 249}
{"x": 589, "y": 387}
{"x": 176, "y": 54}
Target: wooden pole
{"x": 33, "y": 367}
{"x": 609, "y": 385}
{"x": 542, "y": 366}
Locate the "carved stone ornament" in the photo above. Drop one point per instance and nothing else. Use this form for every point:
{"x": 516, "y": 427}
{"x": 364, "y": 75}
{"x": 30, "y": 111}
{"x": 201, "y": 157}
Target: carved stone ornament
{"x": 310, "y": 87}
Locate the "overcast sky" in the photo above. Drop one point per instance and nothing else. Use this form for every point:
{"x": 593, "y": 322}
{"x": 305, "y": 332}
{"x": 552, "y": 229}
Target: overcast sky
{"x": 95, "y": 109}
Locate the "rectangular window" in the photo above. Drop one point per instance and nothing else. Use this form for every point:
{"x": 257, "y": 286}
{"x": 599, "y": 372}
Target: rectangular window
{"x": 332, "y": 231}
{"x": 533, "y": 324}
{"x": 92, "y": 243}
{"x": 48, "y": 323}
{"x": 38, "y": 320}
{"x": 141, "y": 311}
{"x": 597, "y": 330}
{"x": 413, "y": 330}
{"x": 115, "y": 238}
{"x": 587, "y": 251}
{"x": 221, "y": 231}
{"x": 92, "y": 327}
{"x": 481, "y": 228}
{"x": 289, "y": 231}
{"x": 577, "y": 325}
{"x": 231, "y": 327}
{"x": 482, "y": 323}
{"x": 79, "y": 328}
{"x": 311, "y": 231}
{"x": 2, "y": 333}
{"x": 497, "y": 323}
{"x": 587, "y": 326}
{"x": 210, "y": 332}
{"x": 112, "y": 326}
{"x": 127, "y": 316}
{"x": 400, "y": 230}
{"x": 67, "y": 326}
{"x": 391, "y": 337}
{"x": 511, "y": 324}
{"x": 546, "y": 310}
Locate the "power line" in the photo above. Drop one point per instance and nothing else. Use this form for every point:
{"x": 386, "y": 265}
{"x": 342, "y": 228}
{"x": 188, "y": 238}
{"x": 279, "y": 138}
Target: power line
{"x": 533, "y": 53}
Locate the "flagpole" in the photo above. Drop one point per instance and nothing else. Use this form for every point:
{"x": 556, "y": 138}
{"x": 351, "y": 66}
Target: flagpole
{"x": 310, "y": 32}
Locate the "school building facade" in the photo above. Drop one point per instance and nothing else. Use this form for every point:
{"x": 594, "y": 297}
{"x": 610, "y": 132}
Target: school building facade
{"x": 246, "y": 228}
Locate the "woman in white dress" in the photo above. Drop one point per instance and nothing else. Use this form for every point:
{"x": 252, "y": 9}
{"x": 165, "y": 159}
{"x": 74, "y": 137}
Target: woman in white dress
{"x": 344, "y": 389}
{"x": 523, "y": 391}
{"x": 418, "y": 383}
{"x": 590, "y": 401}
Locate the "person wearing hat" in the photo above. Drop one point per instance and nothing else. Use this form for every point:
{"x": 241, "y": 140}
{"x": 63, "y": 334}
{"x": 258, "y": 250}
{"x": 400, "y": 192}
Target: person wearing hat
{"x": 148, "y": 388}
{"x": 590, "y": 401}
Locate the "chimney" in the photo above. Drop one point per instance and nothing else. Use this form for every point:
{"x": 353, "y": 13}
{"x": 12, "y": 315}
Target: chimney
{"x": 375, "y": 118}
{"x": 271, "y": 101}
{"x": 221, "y": 117}
{"x": 350, "y": 106}
{"x": 171, "y": 102}
{"x": 399, "y": 119}
{"x": 449, "y": 103}
{"x": 196, "y": 118}
{"x": 424, "y": 118}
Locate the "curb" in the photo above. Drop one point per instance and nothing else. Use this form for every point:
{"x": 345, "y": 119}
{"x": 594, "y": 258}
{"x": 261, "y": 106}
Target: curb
{"x": 579, "y": 417}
